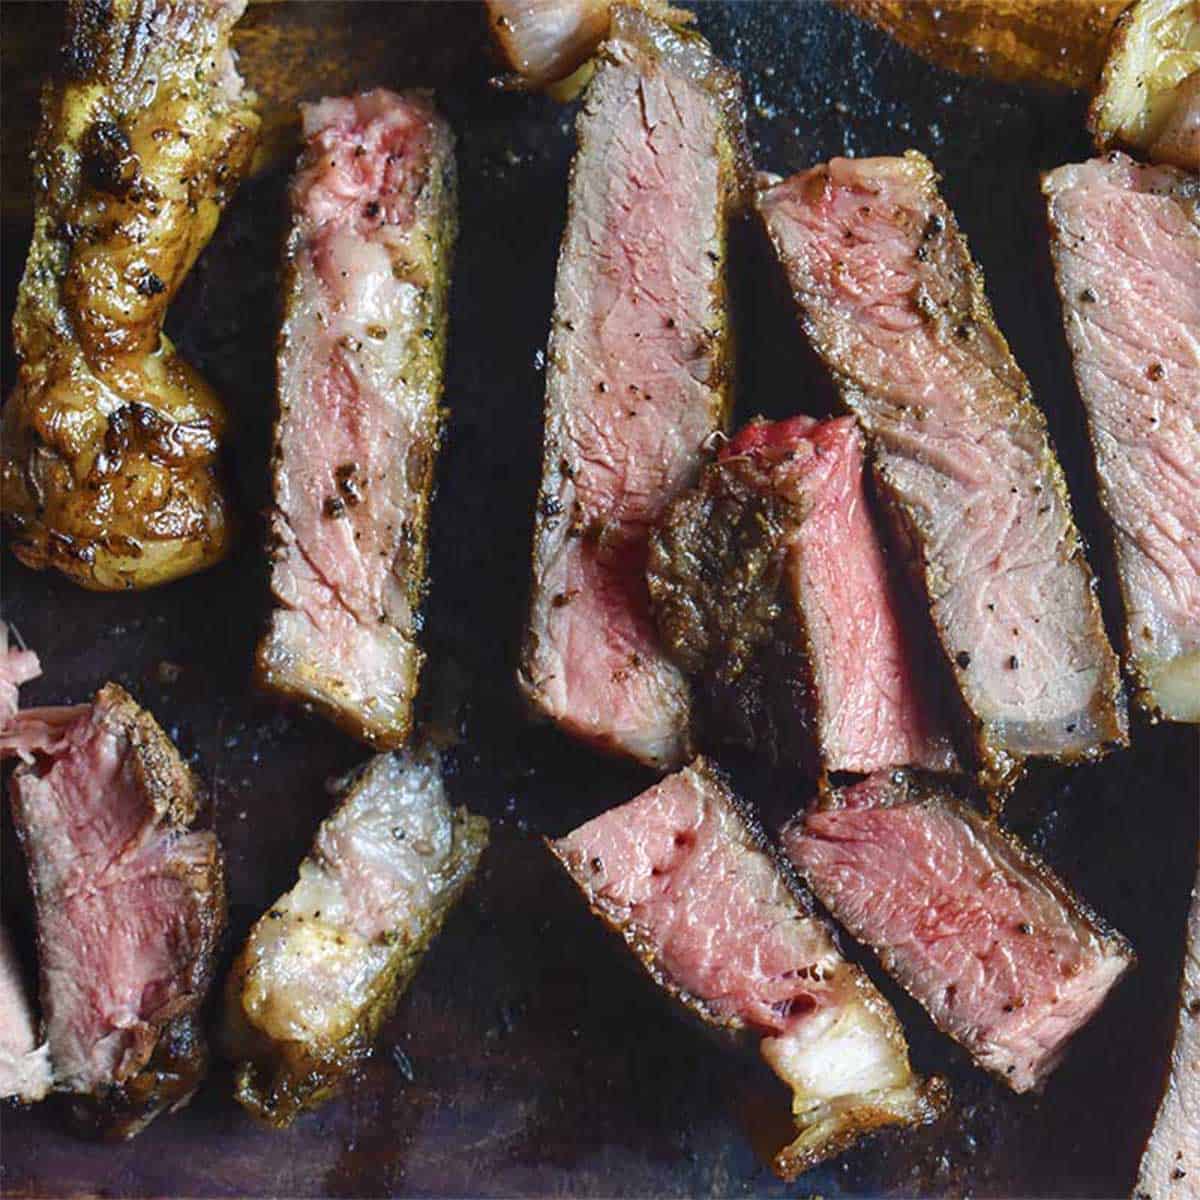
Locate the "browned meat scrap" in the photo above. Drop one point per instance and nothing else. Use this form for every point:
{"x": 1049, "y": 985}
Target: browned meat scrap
{"x": 325, "y": 967}
{"x": 684, "y": 875}
{"x": 129, "y": 903}
{"x": 360, "y": 365}
{"x": 996, "y": 947}
{"x": 637, "y": 380}
{"x": 110, "y": 439}
{"x": 892, "y": 302}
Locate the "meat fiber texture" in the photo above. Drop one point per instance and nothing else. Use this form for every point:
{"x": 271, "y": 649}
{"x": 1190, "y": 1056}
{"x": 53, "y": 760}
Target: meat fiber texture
{"x": 637, "y": 380}
{"x": 1170, "y": 1166}
{"x": 692, "y": 887}
{"x": 129, "y": 905}
{"x": 892, "y": 302}
{"x": 1000, "y": 953}
{"x": 1126, "y": 246}
{"x": 861, "y": 700}
{"x": 326, "y": 965}
{"x": 360, "y": 368}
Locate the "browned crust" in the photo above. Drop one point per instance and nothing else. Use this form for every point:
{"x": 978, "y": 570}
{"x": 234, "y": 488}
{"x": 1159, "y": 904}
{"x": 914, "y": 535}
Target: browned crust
{"x": 441, "y": 196}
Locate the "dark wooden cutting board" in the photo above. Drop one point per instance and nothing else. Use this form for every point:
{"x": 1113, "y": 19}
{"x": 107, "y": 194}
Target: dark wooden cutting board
{"x": 525, "y": 1059}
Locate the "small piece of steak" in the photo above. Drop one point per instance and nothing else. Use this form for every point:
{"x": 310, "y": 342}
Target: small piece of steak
{"x": 1004, "y": 958}
{"x": 893, "y": 304}
{"x": 637, "y": 380}
{"x": 545, "y": 41}
{"x": 1170, "y": 1166}
{"x": 129, "y": 905}
{"x": 1126, "y": 246}
{"x": 687, "y": 879}
{"x": 359, "y": 367}
{"x": 24, "y": 1065}
{"x": 772, "y": 566}
{"x": 327, "y": 964}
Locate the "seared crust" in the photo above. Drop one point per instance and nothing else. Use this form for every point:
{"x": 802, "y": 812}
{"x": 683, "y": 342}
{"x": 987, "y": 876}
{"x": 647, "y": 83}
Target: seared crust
{"x": 111, "y": 441}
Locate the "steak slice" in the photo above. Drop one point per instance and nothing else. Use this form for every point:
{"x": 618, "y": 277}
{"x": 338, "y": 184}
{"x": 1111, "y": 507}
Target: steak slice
{"x": 24, "y": 1065}
{"x": 1170, "y": 1165}
{"x": 326, "y": 965}
{"x": 16, "y": 667}
{"x": 637, "y": 380}
{"x": 1126, "y": 246}
{"x": 894, "y": 305}
{"x": 685, "y": 876}
{"x": 359, "y": 367}
{"x": 993, "y": 944}
{"x": 129, "y": 905}
{"x": 772, "y": 568}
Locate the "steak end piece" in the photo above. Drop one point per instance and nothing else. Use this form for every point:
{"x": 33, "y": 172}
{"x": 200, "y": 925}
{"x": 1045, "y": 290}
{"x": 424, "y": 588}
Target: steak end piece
{"x": 111, "y": 463}
{"x": 326, "y": 965}
{"x": 1126, "y": 245}
{"x": 129, "y": 903}
{"x": 685, "y": 877}
{"x": 1170, "y": 1165}
{"x": 638, "y": 378}
{"x": 770, "y": 580}
{"x": 893, "y": 304}
{"x": 1005, "y": 959}
{"x": 360, "y": 364}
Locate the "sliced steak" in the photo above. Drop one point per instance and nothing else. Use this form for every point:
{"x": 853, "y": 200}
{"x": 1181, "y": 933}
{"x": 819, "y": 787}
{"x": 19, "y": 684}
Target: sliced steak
{"x": 637, "y": 380}
{"x": 129, "y": 906}
{"x": 1170, "y": 1166}
{"x": 771, "y": 568}
{"x": 684, "y": 875}
{"x": 893, "y": 304}
{"x": 24, "y": 1065}
{"x": 360, "y": 365}
{"x": 326, "y": 965}
{"x": 1126, "y": 245}
{"x": 1004, "y": 958}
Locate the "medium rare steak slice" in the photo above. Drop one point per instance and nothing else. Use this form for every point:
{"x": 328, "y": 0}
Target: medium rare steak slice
{"x": 1170, "y": 1166}
{"x": 687, "y": 879}
{"x": 24, "y": 1065}
{"x": 893, "y": 304}
{"x": 360, "y": 384}
{"x": 129, "y": 905}
{"x": 1126, "y": 245}
{"x": 326, "y": 965}
{"x": 637, "y": 380}
{"x": 16, "y": 667}
{"x": 1004, "y": 958}
{"x": 772, "y": 567}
